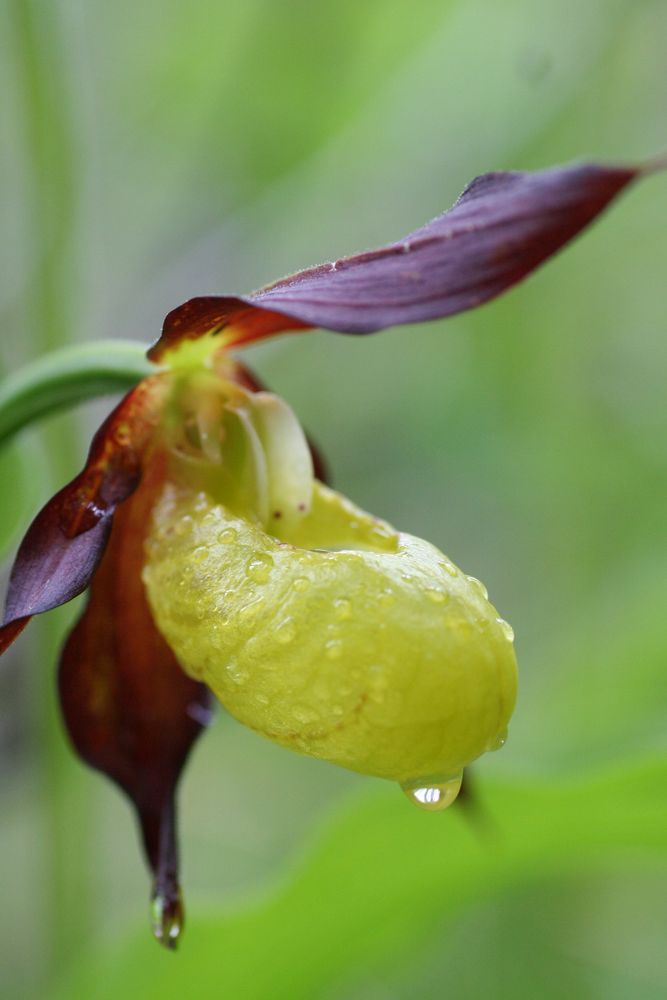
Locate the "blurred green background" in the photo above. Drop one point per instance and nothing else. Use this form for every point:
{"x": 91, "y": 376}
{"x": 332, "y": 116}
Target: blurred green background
{"x": 152, "y": 151}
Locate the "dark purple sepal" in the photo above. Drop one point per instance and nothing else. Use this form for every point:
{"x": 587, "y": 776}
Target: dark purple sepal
{"x": 503, "y": 226}
{"x": 64, "y": 544}
{"x": 129, "y": 709}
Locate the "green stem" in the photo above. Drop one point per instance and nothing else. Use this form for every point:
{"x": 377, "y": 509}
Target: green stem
{"x": 69, "y": 376}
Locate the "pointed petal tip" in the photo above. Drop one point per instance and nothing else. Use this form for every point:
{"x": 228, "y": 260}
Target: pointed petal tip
{"x": 10, "y": 630}
{"x": 503, "y": 227}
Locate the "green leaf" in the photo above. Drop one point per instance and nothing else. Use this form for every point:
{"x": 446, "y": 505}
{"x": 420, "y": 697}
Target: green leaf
{"x": 69, "y": 376}
{"x": 382, "y": 877}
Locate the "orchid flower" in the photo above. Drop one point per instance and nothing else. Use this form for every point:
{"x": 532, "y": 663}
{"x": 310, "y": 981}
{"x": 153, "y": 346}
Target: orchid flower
{"x": 217, "y": 560}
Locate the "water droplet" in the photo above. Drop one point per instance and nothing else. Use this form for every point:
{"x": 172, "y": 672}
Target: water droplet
{"x": 166, "y": 919}
{"x": 251, "y": 607}
{"x": 304, "y": 715}
{"x": 386, "y": 599}
{"x": 343, "y": 609}
{"x": 449, "y": 567}
{"x": 227, "y": 536}
{"x": 499, "y": 741}
{"x": 382, "y": 531}
{"x": 435, "y": 796}
{"x": 301, "y": 584}
{"x": 199, "y": 554}
{"x": 236, "y": 674}
{"x": 259, "y": 568}
{"x": 184, "y": 525}
{"x": 436, "y": 596}
{"x": 506, "y": 628}
{"x": 285, "y": 631}
{"x": 333, "y": 649}
{"x": 201, "y": 503}
{"x": 478, "y": 586}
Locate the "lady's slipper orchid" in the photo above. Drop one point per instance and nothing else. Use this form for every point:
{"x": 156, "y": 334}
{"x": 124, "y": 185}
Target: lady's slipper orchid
{"x": 231, "y": 567}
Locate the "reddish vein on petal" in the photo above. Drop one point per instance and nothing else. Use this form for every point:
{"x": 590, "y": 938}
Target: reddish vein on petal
{"x": 66, "y": 540}
{"x": 503, "y": 226}
{"x": 130, "y": 710}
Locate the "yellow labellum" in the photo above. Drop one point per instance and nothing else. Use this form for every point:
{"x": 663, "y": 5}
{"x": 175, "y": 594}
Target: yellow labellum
{"x": 341, "y": 639}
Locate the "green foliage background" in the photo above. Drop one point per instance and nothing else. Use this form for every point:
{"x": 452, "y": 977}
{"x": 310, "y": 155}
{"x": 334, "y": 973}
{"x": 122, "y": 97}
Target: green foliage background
{"x": 157, "y": 150}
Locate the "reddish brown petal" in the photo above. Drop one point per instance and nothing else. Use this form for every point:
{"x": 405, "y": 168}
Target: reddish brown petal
{"x": 130, "y": 710}
{"x": 212, "y": 314}
{"x": 65, "y": 542}
{"x": 503, "y": 226}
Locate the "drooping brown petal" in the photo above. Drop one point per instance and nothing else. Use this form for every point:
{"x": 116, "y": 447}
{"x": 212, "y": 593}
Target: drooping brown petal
{"x": 503, "y": 226}
{"x": 130, "y": 710}
{"x": 65, "y": 542}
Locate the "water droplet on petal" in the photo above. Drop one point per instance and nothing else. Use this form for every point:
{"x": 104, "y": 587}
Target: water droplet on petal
{"x": 301, "y": 583}
{"x": 449, "y": 567}
{"x": 236, "y": 673}
{"x": 184, "y": 526}
{"x": 436, "y": 596}
{"x": 227, "y": 536}
{"x": 285, "y": 631}
{"x": 436, "y": 796}
{"x": 259, "y": 568}
{"x": 507, "y": 629}
{"x": 478, "y": 586}
{"x": 499, "y": 741}
{"x": 343, "y": 609}
{"x": 199, "y": 554}
{"x": 305, "y": 715}
{"x": 386, "y": 599}
{"x": 333, "y": 649}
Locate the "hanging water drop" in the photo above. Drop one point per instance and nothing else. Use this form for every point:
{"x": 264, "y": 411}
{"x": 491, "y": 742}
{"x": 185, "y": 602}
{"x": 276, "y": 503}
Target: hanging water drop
{"x": 166, "y": 919}
{"x": 435, "y": 796}
{"x": 499, "y": 742}
{"x": 478, "y": 586}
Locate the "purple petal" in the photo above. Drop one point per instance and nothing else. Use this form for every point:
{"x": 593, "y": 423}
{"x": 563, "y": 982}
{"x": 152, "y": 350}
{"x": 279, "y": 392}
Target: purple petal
{"x": 67, "y": 539}
{"x": 130, "y": 710}
{"x": 503, "y": 226}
